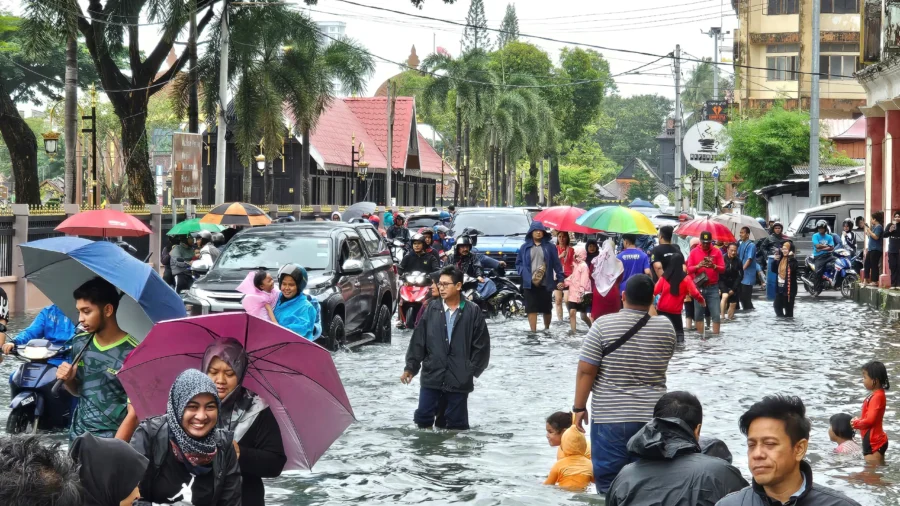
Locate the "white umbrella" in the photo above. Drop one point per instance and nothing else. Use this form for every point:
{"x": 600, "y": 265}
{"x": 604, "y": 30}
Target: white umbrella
{"x": 735, "y": 222}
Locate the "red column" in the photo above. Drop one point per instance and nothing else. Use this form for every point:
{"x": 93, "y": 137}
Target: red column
{"x": 875, "y": 130}
{"x": 891, "y": 182}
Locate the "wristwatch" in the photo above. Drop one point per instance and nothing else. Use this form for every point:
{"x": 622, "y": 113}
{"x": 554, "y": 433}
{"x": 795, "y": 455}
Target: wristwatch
{"x": 578, "y": 410}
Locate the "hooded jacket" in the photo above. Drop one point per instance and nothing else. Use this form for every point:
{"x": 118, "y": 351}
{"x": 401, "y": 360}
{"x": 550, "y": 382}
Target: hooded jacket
{"x": 51, "y": 324}
{"x": 672, "y": 470}
{"x": 449, "y": 367}
{"x": 574, "y": 470}
{"x": 814, "y": 495}
{"x": 301, "y": 314}
{"x": 579, "y": 283}
{"x": 551, "y": 259}
{"x": 220, "y": 487}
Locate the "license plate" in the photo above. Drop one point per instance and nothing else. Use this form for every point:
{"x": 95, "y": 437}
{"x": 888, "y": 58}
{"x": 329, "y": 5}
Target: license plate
{"x": 27, "y": 401}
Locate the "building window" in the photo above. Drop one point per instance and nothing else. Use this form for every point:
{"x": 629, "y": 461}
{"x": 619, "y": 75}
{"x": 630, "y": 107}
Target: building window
{"x": 783, "y": 7}
{"x": 839, "y": 47}
{"x": 840, "y": 7}
{"x": 784, "y": 48}
{"x": 828, "y": 199}
{"x": 782, "y": 68}
{"x": 836, "y": 67}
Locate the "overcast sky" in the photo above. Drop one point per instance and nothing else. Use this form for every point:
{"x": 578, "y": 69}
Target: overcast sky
{"x": 650, "y": 26}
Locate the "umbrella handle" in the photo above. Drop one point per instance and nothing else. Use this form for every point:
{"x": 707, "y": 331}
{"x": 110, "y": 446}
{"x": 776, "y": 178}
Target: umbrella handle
{"x": 59, "y": 383}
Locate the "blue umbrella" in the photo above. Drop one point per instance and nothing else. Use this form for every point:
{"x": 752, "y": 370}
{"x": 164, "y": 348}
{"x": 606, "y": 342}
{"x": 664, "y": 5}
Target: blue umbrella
{"x": 640, "y": 203}
{"x": 59, "y": 265}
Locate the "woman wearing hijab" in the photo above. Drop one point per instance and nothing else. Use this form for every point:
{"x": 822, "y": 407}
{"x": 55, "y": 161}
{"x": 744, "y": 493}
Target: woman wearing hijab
{"x": 295, "y": 310}
{"x": 184, "y": 447}
{"x": 109, "y": 470}
{"x": 606, "y": 270}
{"x": 257, "y": 437}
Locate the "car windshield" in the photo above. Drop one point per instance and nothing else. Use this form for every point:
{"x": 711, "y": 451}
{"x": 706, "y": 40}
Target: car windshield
{"x": 417, "y": 222}
{"x": 796, "y": 223}
{"x": 649, "y": 212}
{"x": 274, "y": 251}
{"x": 492, "y": 224}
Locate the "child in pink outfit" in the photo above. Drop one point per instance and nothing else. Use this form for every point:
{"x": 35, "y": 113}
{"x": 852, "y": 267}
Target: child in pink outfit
{"x": 260, "y": 295}
{"x": 579, "y": 285}
{"x": 842, "y": 433}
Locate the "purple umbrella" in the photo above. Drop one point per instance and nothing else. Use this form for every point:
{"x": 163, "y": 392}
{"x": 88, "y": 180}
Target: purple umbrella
{"x": 294, "y": 375}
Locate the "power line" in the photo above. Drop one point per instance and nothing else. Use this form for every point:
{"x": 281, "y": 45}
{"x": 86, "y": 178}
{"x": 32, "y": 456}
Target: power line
{"x": 549, "y": 39}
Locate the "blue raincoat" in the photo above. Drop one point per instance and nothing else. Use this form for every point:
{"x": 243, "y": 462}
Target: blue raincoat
{"x": 301, "y": 314}
{"x": 51, "y": 324}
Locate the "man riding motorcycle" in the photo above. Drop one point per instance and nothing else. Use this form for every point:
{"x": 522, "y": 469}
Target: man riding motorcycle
{"x": 444, "y": 238}
{"x": 431, "y": 247}
{"x": 470, "y": 265}
{"x": 823, "y": 245}
{"x": 418, "y": 260}
{"x": 208, "y": 251}
{"x": 398, "y": 230}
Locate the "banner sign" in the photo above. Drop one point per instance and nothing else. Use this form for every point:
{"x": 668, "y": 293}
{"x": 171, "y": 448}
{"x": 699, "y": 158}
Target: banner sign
{"x": 186, "y": 159}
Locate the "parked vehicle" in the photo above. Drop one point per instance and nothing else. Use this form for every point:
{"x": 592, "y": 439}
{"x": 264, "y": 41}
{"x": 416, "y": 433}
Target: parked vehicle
{"x": 413, "y": 293}
{"x": 838, "y": 275}
{"x": 351, "y": 273}
{"x": 502, "y": 232}
{"x": 34, "y": 406}
{"x": 803, "y": 226}
{"x": 507, "y": 300}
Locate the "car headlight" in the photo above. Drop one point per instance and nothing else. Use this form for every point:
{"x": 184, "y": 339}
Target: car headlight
{"x": 316, "y": 291}
{"x": 199, "y": 293}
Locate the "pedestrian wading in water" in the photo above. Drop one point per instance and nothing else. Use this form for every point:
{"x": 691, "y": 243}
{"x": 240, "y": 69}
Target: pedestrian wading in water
{"x": 785, "y": 268}
{"x": 869, "y": 423}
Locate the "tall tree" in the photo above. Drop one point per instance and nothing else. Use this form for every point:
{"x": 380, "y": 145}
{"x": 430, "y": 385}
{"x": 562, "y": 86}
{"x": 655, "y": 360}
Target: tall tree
{"x": 628, "y": 127}
{"x": 475, "y": 35}
{"x": 698, "y": 88}
{"x": 509, "y": 28}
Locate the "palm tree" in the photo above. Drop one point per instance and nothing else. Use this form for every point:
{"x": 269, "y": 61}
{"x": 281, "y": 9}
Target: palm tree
{"x": 286, "y": 65}
{"x": 464, "y": 76}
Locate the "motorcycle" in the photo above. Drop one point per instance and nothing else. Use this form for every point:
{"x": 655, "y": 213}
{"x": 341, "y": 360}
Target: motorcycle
{"x": 506, "y": 300}
{"x": 398, "y": 250}
{"x": 34, "y": 406}
{"x": 839, "y": 274}
{"x": 413, "y": 292}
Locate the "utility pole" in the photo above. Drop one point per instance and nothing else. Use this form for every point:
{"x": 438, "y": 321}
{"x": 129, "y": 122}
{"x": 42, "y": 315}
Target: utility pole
{"x": 390, "y": 143}
{"x": 678, "y": 156}
{"x": 222, "y": 125}
{"x": 193, "y": 106}
{"x": 814, "y": 111}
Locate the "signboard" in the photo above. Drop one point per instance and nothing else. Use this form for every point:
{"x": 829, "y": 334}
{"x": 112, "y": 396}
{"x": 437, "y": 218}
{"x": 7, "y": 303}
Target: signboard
{"x": 186, "y": 159}
{"x": 704, "y": 146}
{"x": 716, "y": 110}
{"x": 715, "y": 173}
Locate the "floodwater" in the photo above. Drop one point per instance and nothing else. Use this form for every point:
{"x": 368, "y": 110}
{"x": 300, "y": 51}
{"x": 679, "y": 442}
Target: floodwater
{"x": 384, "y": 459}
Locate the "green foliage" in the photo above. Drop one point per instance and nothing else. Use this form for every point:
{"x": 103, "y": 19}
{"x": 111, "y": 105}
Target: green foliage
{"x": 576, "y": 107}
{"x": 475, "y": 35}
{"x": 577, "y": 185}
{"x": 762, "y": 150}
{"x": 628, "y": 126}
{"x": 643, "y": 187}
{"x": 699, "y": 88}
{"x": 509, "y": 28}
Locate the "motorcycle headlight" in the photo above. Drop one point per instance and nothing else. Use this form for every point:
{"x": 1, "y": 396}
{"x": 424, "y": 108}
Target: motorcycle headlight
{"x": 419, "y": 280}
{"x": 36, "y": 353}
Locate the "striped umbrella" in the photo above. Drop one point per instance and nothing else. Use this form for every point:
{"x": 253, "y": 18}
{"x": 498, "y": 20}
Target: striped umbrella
{"x": 617, "y": 220}
{"x": 237, "y": 213}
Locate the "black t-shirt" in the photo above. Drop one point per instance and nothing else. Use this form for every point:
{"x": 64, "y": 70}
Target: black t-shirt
{"x": 662, "y": 253}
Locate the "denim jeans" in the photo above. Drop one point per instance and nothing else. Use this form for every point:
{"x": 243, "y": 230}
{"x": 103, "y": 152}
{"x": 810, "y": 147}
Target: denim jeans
{"x": 713, "y": 298}
{"x": 609, "y": 453}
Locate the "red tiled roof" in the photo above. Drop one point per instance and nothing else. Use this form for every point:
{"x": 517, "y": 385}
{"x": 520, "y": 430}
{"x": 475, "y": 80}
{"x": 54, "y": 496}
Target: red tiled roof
{"x": 372, "y": 114}
{"x": 430, "y": 160}
{"x": 333, "y": 135}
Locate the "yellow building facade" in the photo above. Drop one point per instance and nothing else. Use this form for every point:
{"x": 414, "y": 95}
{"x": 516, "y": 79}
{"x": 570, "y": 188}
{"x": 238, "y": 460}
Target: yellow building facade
{"x": 773, "y": 56}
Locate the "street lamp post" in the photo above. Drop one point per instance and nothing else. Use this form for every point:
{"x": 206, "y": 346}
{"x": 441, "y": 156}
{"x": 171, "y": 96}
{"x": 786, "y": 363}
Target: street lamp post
{"x": 51, "y": 140}
{"x": 357, "y": 163}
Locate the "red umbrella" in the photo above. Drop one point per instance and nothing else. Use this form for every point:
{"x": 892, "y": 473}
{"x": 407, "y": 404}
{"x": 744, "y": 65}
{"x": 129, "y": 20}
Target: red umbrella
{"x": 694, "y": 227}
{"x": 563, "y": 218}
{"x": 103, "y": 223}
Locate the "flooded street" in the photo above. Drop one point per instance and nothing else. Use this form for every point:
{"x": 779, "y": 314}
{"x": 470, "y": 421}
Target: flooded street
{"x": 384, "y": 459}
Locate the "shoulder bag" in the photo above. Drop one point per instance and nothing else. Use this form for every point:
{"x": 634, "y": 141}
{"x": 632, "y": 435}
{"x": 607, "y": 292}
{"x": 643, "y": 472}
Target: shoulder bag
{"x": 626, "y": 336}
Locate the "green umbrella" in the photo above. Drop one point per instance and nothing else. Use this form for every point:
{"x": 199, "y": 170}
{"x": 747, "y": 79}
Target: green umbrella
{"x": 190, "y": 226}
{"x": 618, "y": 220}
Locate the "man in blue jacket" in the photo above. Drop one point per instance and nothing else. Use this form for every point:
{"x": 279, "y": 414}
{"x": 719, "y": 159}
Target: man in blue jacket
{"x": 538, "y": 264}
{"x": 51, "y": 324}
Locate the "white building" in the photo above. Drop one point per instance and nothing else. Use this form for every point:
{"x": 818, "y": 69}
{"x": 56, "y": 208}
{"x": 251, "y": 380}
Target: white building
{"x": 333, "y": 30}
{"x": 787, "y": 198}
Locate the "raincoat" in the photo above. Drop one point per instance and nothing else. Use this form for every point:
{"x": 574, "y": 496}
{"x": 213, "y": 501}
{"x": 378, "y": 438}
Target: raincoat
{"x": 813, "y": 495}
{"x": 574, "y": 471}
{"x": 51, "y": 324}
{"x": 255, "y": 300}
{"x": 301, "y": 314}
{"x": 551, "y": 260}
{"x": 579, "y": 283}
{"x": 672, "y": 470}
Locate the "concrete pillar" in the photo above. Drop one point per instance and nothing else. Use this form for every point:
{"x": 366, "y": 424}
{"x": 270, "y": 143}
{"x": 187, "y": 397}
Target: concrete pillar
{"x": 273, "y": 211}
{"x": 297, "y": 212}
{"x": 156, "y": 235}
{"x": 71, "y": 209}
{"x": 891, "y": 182}
{"x": 875, "y": 134}
{"x": 20, "y": 211}
{"x": 117, "y": 207}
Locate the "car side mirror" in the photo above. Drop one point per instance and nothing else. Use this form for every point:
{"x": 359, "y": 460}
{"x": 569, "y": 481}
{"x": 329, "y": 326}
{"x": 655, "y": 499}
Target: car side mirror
{"x": 200, "y": 271}
{"x": 352, "y": 266}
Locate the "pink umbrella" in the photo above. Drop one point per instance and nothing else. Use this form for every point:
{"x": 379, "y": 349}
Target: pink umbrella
{"x": 563, "y": 218}
{"x": 103, "y": 223}
{"x": 294, "y": 375}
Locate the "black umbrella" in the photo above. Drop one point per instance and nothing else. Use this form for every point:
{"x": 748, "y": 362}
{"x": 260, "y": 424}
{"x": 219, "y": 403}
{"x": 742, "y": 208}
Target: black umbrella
{"x": 358, "y": 209}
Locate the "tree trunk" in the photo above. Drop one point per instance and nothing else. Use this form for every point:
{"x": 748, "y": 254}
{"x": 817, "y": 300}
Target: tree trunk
{"x": 468, "y": 183}
{"x": 269, "y": 183}
{"x": 71, "y": 117}
{"x": 492, "y": 175}
{"x": 460, "y": 176}
{"x": 531, "y": 197}
{"x": 141, "y": 184}
{"x": 554, "y": 179}
{"x": 305, "y": 178}
{"x": 504, "y": 179}
{"x": 22, "y": 147}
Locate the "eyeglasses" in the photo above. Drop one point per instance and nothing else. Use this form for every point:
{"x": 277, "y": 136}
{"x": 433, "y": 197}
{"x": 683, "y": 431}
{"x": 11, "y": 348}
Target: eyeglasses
{"x": 445, "y": 285}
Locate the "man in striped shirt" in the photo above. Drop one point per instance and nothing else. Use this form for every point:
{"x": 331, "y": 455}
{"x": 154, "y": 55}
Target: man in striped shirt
{"x": 626, "y": 377}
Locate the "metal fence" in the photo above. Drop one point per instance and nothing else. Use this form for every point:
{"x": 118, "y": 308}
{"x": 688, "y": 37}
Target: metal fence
{"x": 6, "y": 245}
